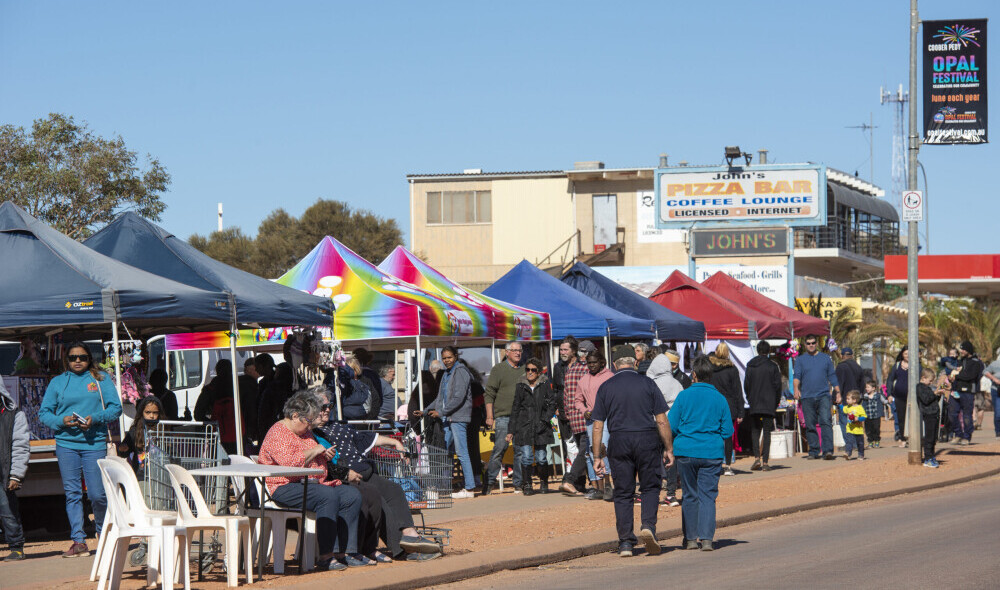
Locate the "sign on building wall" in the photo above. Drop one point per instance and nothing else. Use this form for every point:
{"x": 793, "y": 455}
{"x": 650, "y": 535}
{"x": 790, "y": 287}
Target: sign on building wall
{"x": 645, "y": 218}
{"x": 954, "y": 84}
{"x": 736, "y": 241}
{"x": 790, "y": 195}
{"x": 830, "y": 307}
{"x": 766, "y": 280}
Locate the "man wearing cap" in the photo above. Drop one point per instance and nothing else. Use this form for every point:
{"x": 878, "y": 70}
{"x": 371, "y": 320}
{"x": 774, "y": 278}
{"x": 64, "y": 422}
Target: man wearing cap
{"x": 851, "y": 378}
{"x": 499, "y": 397}
{"x": 964, "y": 388}
{"x": 636, "y": 415}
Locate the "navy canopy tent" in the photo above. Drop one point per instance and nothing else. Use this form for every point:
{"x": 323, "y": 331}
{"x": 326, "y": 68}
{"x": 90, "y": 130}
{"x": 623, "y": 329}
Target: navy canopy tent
{"x": 144, "y": 245}
{"x": 52, "y": 281}
{"x": 669, "y": 325}
{"x": 571, "y": 312}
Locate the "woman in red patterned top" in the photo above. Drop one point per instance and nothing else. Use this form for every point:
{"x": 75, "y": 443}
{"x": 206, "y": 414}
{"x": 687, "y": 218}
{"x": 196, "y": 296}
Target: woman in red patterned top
{"x": 337, "y": 507}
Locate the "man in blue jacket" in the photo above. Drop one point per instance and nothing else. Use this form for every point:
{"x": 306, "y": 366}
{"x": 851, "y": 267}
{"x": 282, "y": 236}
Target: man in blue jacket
{"x": 814, "y": 378}
{"x": 701, "y": 422}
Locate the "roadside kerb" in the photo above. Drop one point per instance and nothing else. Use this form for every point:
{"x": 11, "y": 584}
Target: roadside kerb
{"x": 473, "y": 565}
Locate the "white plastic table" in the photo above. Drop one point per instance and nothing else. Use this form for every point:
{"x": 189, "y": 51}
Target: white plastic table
{"x": 257, "y": 471}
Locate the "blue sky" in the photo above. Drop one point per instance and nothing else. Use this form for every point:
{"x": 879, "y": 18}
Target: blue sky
{"x": 262, "y": 105}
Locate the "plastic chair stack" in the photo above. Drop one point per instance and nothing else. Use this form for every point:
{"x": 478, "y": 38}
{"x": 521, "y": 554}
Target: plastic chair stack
{"x": 131, "y": 518}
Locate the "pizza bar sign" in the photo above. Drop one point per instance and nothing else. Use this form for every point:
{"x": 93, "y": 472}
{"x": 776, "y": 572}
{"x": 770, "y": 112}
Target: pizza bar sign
{"x": 739, "y": 195}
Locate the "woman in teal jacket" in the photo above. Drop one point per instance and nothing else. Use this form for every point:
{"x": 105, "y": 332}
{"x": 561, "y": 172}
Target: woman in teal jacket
{"x": 701, "y": 423}
{"x": 78, "y": 406}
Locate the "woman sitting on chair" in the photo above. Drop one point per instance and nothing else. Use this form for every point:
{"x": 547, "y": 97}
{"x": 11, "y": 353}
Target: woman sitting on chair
{"x": 290, "y": 443}
{"x": 385, "y": 511}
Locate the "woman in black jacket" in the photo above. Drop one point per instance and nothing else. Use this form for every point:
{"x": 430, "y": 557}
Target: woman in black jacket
{"x": 762, "y": 383}
{"x": 726, "y": 378}
{"x": 530, "y": 423}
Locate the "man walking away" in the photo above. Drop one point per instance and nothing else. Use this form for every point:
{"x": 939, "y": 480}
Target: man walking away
{"x": 814, "y": 376}
{"x": 762, "y": 384}
{"x": 499, "y": 397}
{"x": 635, "y": 412}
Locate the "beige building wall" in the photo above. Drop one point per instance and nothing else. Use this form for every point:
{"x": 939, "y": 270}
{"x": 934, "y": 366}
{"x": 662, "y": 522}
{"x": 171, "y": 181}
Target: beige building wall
{"x": 531, "y": 217}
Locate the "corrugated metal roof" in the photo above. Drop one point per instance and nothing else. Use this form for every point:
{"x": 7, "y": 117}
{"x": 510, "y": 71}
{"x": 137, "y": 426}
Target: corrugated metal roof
{"x": 484, "y": 174}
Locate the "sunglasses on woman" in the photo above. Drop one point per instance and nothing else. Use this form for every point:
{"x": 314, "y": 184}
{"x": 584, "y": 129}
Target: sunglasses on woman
{"x": 78, "y": 358}
{"x": 531, "y": 370}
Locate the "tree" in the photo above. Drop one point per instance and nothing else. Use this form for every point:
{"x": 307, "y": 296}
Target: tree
{"x": 74, "y": 180}
{"x": 282, "y": 240}
{"x": 229, "y": 246}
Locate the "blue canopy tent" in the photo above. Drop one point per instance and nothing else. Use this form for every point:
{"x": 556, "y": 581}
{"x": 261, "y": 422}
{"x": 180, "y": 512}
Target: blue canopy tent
{"x": 255, "y": 300}
{"x": 571, "y": 312}
{"x": 54, "y": 284}
{"x": 669, "y": 325}
{"x": 52, "y": 281}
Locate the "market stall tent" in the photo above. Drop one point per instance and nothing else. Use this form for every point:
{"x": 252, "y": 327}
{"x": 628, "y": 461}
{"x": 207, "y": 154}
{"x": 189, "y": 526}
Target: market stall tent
{"x": 509, "y": 321}
{"x": 730, "y": 288}
{"x": 571, "y": 312}
{"x": 669, "y": 325}
{"x": 723, "y": 319}
{"x": 52, "y": 281}
{"x": 372, "y": 305}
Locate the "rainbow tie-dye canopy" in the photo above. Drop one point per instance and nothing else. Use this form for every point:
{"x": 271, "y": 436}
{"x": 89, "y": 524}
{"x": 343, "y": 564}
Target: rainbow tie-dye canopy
{"x": 509, "y": 321}
{"x": 371, "y": 304}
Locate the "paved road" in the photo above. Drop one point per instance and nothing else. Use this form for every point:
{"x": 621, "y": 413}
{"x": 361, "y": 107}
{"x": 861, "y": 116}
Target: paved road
{"x": 945, "y": 538}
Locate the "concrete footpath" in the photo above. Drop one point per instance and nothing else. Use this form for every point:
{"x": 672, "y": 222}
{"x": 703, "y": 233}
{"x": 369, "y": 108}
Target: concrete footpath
{"x": 508, "y": 531}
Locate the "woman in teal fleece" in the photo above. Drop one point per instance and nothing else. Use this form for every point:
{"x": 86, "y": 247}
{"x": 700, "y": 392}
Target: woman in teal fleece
{"x": 88, "y": 393}
{"x": 701, "y": 423}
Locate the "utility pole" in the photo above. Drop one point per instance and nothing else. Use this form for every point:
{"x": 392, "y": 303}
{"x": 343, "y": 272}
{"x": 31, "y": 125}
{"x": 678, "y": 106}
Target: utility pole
{"x": 913, "y": 320}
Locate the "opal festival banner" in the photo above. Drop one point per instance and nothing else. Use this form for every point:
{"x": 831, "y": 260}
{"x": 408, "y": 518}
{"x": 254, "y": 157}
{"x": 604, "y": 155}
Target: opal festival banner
{"x": 954, "y": 82}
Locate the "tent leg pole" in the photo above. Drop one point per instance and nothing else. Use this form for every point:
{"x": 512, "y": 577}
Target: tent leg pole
{"x": 395, "y": 393}
{"x": 420, "y": 380}
{"x": 118, "y": 369}
{"x": 607, "y": 346}
{"x": 236, "y": 393}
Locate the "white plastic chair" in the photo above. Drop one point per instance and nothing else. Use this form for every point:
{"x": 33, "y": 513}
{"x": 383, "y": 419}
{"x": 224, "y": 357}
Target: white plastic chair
{"x": 275, "y": 525}
{"x": 128, "y": 514}
{"x": 237, "y": 528}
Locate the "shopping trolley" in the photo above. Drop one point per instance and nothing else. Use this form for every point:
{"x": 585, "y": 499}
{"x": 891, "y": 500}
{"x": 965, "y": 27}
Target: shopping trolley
{"x": 425, "y": 474}
{"x": 191, "y": 445}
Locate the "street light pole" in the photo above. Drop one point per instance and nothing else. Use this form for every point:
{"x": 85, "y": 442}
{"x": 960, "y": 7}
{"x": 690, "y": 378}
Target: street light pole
{"x": 912, "y": 411}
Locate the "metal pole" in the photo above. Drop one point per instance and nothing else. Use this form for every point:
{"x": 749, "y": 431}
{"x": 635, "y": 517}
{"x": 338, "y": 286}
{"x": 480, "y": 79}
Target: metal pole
{"x": 118, "y": 371}
{"x": 607, "y": 345}
{"x": 233, "y": 334}
{"x": 913, "y": 412}
{"x": 420, "y": 381}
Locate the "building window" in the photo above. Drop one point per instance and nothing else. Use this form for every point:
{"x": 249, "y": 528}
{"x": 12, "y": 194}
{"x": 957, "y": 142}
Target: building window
{"x": 454, "y": 207}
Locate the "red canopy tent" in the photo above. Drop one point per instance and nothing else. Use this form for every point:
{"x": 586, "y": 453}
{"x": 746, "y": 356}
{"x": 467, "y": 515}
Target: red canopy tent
{"x": 731, "y": 289}
{"x": 723, "y": 319}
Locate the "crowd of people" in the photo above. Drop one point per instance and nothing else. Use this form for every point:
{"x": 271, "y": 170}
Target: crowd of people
{"x": 642, "y": 420}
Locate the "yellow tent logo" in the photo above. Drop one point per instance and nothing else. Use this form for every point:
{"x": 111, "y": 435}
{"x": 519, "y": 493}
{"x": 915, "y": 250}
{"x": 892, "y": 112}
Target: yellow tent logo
{"x": 68, "y": 305}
